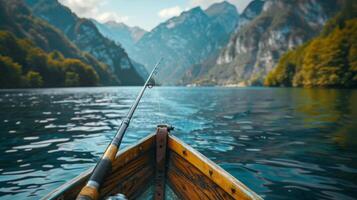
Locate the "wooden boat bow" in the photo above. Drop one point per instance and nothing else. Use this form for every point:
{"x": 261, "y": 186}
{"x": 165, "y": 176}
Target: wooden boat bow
{"x": 146, "y": 165}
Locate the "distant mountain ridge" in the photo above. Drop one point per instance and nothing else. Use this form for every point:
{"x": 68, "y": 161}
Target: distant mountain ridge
{"x": 215, "y": 46}
{"x": 86, "y": 36}
{"x": 182, "y": 41}
{"x": 186, "y": 40}
{"x": 268, "y": 29}
{"x": 121, "y": 33}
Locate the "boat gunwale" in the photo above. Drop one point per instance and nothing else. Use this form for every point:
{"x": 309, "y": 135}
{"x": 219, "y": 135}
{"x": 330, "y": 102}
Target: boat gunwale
{"x": 214, "y": 172}
{"x": 54, "y": 194}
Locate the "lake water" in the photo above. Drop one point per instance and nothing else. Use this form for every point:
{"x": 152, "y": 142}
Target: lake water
{"x": 282, "y": 143}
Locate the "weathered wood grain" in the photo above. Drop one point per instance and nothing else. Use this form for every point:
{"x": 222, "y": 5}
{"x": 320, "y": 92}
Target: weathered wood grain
{"x": 160, "y": 164}
{"x": 190, "y": 174}
{"x": 130, "y": 154}
{"x": 131, "y": 178}
{"x": 189, "y": 183}
{"x": 216, "y": 174}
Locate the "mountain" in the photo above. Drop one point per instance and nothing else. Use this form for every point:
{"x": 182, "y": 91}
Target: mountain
{"x": 32, "y": 46}
{"x": 22, "y": 64}
{"x": 253, "y": 9}
{"x": 266, "y": 32}
{"x": 329, "y": 60}
{"x": 198, "y": 74}
{"x": 224, "y": 14}
{"x": 85, "y": 35}
{"x": 16, "y": 18}
{"x": 121, "y": 33}
{"x": 186, "y": 40}
{"x": 126, "y": 36}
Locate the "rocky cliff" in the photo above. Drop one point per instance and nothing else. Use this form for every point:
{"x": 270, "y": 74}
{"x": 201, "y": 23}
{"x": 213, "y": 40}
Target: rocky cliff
{"x": 267, "y": 30}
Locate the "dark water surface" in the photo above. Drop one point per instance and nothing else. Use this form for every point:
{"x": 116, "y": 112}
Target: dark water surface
{"x": 282, "y": 143}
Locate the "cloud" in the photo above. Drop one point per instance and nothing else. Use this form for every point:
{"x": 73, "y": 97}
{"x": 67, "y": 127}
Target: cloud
{"x": 111, "y": 16}
{"x": 82, "y": 7}
{"x": 240, "y": 4}
{"x": 170, "y": 12}
{"x": 89, "y": 9}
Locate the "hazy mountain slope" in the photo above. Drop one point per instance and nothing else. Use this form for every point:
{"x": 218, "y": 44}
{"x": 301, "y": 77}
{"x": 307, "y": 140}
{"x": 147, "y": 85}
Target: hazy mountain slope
{"x": 125, "y": 36}
{"x": 86, "y": 36}
{"x": 256, "y": 47}
{"x": 121, "y": 33}
{"x": 186, "y": 40}
{"x": 18, "y": 19}
{"x": 329, "y": 60}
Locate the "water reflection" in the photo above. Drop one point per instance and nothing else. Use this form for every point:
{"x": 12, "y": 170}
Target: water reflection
{"x": 283, "y": 143}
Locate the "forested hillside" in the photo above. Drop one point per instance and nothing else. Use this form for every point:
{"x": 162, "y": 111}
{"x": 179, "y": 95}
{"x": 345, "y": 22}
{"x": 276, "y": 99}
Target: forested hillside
{"x": 329, "y": 60}
{"x": 27, "y": 43}
{"x": 85, "y": 35}
{"x": 25, "y": 65}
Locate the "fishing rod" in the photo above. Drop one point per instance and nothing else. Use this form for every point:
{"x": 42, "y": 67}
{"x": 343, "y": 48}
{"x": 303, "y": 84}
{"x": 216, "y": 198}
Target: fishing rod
{"x": 91, "y": 190}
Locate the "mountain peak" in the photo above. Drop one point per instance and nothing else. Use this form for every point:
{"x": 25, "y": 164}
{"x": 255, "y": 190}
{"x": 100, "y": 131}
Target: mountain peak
{"x": 225, "y": 14}
{"x": 255, "y": 6}
{"x": 219, "y": 8}
{"x": 193, "y": 11}
{"x": 185, "y": 17}
{"x": 253, "y": 9}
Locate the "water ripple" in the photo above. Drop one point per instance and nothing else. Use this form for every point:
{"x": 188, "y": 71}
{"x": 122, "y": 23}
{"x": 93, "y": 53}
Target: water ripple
{"x": 282, "y": 143}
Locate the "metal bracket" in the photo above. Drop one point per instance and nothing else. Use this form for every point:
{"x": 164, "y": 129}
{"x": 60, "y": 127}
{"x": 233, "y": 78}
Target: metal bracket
{"x": 161, "y": 144}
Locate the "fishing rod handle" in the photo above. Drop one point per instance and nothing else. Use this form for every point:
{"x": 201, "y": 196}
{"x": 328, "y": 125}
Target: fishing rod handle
{"x": 91, "y": 190}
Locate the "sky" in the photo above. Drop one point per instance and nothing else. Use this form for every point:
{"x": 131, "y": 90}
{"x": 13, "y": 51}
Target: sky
{"x": 143, "y": 13}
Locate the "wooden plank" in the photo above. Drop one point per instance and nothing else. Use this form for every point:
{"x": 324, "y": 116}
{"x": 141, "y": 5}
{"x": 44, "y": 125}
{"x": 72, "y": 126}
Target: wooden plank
{"x": 160, "y": 167}
{"x": 189, "y": 183}
{"x": 71, "y": 189}
{"x": 125, "y": 156}
{"x": 216, "y": 174}
{"x": 126, "y": 179}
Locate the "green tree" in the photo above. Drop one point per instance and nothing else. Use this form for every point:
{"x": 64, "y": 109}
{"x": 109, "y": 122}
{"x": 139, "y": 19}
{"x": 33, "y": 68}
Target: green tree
{"x": 37, "y": 60}
{"x": 87, "y": 75}
{"x": 34, "y": 79}
{"x": 10, "y": 73}
{"x": 72, "y": 79}
{"x": 9, "y": 46}
{"x": 56, "y": 55}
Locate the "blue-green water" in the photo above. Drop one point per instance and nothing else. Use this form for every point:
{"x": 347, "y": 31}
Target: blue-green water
{"x": 282, "y": 143}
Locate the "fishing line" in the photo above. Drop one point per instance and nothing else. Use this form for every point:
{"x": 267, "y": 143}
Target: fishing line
{"x": 158, "y": 100}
